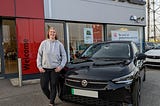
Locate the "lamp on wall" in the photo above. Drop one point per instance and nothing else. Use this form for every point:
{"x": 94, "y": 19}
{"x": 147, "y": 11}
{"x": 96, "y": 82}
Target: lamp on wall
{"x": 123, "y": 29}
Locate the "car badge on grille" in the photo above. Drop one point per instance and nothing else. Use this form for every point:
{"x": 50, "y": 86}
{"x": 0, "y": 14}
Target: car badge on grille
{"x": 84, "y": 83}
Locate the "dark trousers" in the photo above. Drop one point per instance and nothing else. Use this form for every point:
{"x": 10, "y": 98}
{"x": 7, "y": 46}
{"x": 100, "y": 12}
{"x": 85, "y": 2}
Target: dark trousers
{"x": 48, "y": 81}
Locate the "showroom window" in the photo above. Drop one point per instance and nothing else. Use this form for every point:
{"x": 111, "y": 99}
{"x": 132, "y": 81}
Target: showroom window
{"x": 9, "y": 43}
{"x": 122, "y": 32}
{"x": 82, "y": 35}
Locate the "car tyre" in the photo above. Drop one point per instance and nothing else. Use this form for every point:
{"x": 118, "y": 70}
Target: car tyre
{"x": 144, "y": 77}
{"x": 136, "y": 93}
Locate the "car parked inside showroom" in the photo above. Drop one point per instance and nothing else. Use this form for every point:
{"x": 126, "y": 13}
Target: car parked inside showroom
{"x": 152, "y": 57}
{"x": 105, "y": 74}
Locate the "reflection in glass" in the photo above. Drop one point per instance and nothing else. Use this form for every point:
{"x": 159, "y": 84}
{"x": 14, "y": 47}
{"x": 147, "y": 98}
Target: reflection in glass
{"x": 83, "y": 35}
{"x": 9, "y": 46}
{"x": 108, "y": 51}
{"x": 133, "y": 30}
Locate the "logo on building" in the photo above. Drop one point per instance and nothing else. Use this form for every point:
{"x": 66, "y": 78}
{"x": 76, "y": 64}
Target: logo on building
{"x": 136, "y": 19}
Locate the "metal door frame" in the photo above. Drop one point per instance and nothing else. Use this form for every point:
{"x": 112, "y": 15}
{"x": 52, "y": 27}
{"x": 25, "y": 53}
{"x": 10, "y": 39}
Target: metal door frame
{"x": 1, "y": 49}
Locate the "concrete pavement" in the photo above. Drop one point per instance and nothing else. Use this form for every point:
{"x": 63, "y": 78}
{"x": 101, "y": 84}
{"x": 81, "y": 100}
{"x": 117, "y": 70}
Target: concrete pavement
{"x": 31, "y": 95}
{"x": 27, "y": 95}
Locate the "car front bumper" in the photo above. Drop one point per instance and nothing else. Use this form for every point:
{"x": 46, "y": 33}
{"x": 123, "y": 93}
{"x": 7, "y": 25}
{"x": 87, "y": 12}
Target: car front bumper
{"x": 97, "y": 97}
{"x": 155, "y": 62}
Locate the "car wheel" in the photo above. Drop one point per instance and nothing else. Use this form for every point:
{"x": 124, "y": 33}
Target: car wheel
{"x": 136, "y": 93}
{"x": 144, "y": 77}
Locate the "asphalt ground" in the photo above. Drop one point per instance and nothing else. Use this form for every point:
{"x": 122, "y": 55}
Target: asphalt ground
{"x": 31, "y": 94}
{"x": 26, "y": 95}
{"x": 150, "y": 91}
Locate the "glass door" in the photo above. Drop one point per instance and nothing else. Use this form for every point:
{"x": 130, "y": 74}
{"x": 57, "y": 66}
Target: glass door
{"x": 0, "y": 66}
{"x": 1, "y": 46}
{"x": 9, "y": 45}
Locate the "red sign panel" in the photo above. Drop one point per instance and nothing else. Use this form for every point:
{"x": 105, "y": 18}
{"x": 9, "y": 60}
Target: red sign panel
{"x": 30, "y": 33}
{"x": 29, "y": 8}
{"x": 7, "y": 8}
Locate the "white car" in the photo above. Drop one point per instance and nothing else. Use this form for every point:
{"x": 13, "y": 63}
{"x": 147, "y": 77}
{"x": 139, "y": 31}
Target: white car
{"x": 149, "y": 45}
{"x": 152, "y": 57}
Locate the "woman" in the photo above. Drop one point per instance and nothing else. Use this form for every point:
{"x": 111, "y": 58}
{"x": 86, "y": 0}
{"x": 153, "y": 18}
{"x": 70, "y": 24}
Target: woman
{"x": 51, "y": 58}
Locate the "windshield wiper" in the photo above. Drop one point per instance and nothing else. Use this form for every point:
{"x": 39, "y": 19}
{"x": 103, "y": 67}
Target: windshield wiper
{"x": 111, "y": 62}
{"x": 76, "y": 61}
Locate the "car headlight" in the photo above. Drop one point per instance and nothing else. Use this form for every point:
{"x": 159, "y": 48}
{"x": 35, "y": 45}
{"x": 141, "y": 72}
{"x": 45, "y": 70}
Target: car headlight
{"x": 127, "y": 79}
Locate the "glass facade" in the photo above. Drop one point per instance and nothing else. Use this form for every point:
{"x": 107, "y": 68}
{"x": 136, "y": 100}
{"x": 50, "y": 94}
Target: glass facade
{"x": 9, "y": 46}
{"x": 81, "y": 35}
{"x": 123, "y": 32}
{"x": 76, "y": 37}
{"x": 76, "y": 30}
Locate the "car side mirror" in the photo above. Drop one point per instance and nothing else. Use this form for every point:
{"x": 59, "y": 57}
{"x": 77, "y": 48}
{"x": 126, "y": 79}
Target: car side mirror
{"x": 141, "y": 56}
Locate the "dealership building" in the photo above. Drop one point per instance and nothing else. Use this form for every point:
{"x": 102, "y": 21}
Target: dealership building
{"x": 79, "y": 23}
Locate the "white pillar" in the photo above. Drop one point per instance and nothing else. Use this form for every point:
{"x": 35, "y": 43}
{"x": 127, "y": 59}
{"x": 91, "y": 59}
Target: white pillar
{"x": 20, "y": 71}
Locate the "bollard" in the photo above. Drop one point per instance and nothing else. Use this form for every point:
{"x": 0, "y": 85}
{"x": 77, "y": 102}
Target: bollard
{"x": 20, "y": 72}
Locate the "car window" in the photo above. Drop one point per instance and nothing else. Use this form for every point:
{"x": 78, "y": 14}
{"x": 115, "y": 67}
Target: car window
{"x": 91, "y": 50}
{"x": 109, "y": 50}
{"x": 135, "y": 48}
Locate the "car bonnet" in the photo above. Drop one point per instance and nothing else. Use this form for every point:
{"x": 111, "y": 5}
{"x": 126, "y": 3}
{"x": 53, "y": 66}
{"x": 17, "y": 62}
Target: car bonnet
{"x": 92, "y": 70}
{"x": 153, "y": 52}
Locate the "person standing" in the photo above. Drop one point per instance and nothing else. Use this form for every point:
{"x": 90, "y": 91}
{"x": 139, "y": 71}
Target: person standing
{"x": 51, "y": 58}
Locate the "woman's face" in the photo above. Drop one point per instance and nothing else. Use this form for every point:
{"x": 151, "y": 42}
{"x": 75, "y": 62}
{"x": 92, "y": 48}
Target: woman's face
{"x": 52, "y": 33}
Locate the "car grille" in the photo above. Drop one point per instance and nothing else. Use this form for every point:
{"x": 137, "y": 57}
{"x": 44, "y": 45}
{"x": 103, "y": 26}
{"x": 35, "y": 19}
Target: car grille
{"x": 94, "y": 85}
{"x": 156, "y": 64}
{"x": 90, "y": 101}
{"x": 153, "y": 57}
{"x": 152, "y": 61}
{"x": 105, "y": 97}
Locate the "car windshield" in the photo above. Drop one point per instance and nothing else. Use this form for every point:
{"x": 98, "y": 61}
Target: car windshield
{"x": 108, "y": 50}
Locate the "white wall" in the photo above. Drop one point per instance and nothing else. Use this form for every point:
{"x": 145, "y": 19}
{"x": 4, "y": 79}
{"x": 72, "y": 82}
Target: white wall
{"x": 103, "y": 11}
